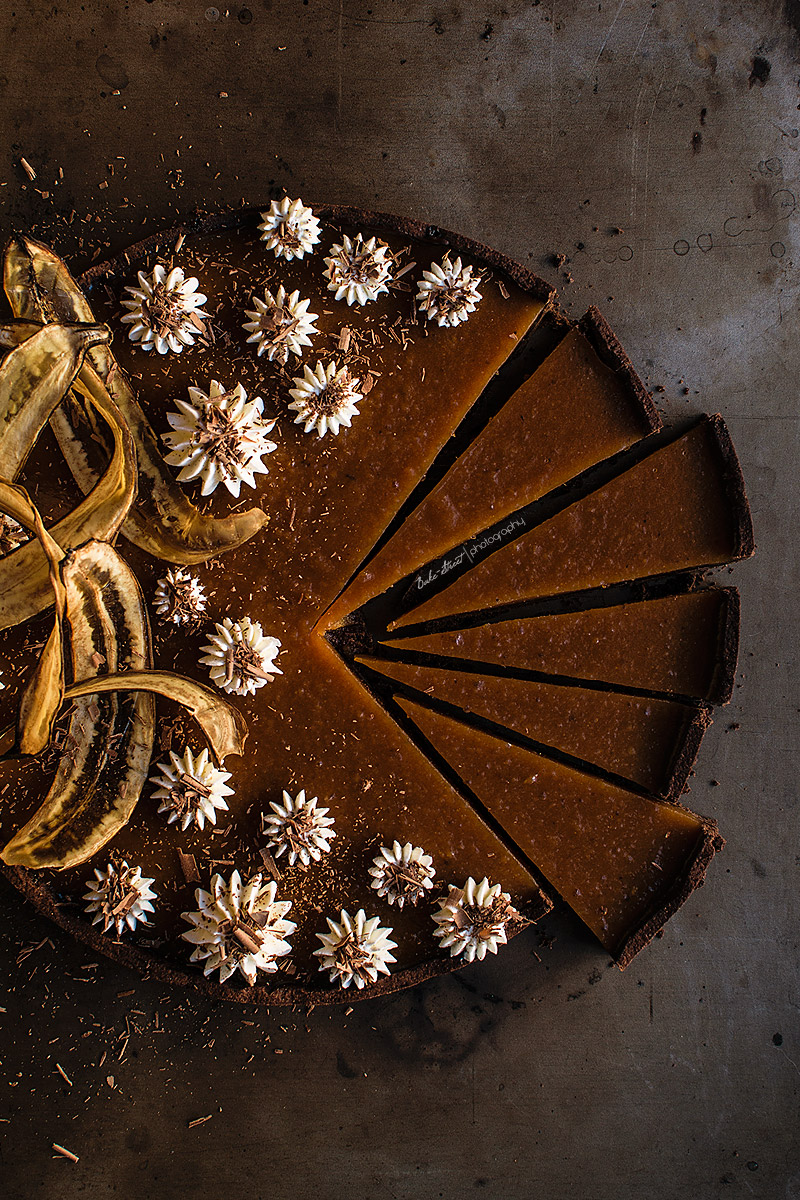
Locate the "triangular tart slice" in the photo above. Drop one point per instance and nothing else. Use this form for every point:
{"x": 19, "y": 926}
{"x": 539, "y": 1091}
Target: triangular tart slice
{"x": 583, "y": 404}
{"x": 622, "y": 862}
{"x": 683, "y": 645}
{"x": 652, "y": 743}
{"x": 683, "y": 507}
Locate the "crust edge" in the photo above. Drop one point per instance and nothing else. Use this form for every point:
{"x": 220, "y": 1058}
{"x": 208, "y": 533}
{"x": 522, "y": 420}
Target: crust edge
{"x": 710, "y": 843}
{"x": 528, "y": 280}
{"x": 606, "y": 345}
{"x": 149, "y": 967}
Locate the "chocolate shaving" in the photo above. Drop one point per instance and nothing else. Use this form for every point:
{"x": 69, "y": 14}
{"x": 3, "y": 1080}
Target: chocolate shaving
{"x": 244, "y": 661}
{"x": 244, "y": 938}
{"x": 164, "y": 310}
{"x": 62, "y": 1150}
{"x": 125, "y": 903}
{"x": 351, "y": 956}
{"x": 270, "y": 864}
{"x": 404, "y": 270}
{"x": 188, "y": 864}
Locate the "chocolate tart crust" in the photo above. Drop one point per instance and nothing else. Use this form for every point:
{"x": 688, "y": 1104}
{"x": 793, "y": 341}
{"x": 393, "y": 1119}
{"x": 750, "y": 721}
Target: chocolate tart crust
{"x": 728, "y": 654}
{"x": 333, "y": 213}
{"x": 279, "y": 994}
{"x": 735, "y": 489}
{"x": 710, "y": 844}
{"x": 597, "y": 331}
{"x": 687, "y": 753}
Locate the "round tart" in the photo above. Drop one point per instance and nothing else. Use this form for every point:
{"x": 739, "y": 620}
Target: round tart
{"x": 404, "y": 623}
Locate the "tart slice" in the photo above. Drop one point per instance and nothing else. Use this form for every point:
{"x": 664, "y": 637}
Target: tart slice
{"x": 683, "y": 645}
{"x": 651, "y": 743}
{"x": 681, "y": 508}
{"x": 622, "y": 862}
{"x": 584, "y": 404}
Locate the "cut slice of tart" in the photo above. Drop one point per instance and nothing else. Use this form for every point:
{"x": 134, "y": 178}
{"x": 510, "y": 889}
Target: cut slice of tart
{"x": 682, "y": 507}
{"x": 583, "y": 404}
{"x": 683, "y": 645}
{"x": 651, "y": 743}
{"x": 624, "y": 863}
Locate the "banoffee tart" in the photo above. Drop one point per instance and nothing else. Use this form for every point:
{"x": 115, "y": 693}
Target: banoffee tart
{"x": 351, "y": 607}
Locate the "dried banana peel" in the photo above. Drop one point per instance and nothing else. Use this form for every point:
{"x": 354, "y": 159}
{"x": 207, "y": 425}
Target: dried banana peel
{"x": 223, "y": 726}
{"x": 112, "y": 723}
{"x": 110, "y": 736}
{"x": 14, "y": 333}
{"x": 24, "y": 589}
{"x": 16, "y": 503}
{"x": 39, "y": 286}
{"x": 163, "y": 522}
{"x": 34, "y": 378}
{"x": 44, "y": 692}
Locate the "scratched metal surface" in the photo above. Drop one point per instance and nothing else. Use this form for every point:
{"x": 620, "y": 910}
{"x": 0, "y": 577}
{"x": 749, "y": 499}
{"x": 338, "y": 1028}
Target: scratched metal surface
{"x": 656, "y": 145}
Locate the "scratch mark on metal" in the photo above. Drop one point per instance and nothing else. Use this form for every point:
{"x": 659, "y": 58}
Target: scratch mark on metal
{"x": 552, "y": 49}
{"x": 634, "y": 153}
{"x": 791, "y": 1060}
{"x": 647, "y": 179}
{"x": 608, "y": 35}
{"x": 339, "y": 65}
{"x": 641, "y": 36}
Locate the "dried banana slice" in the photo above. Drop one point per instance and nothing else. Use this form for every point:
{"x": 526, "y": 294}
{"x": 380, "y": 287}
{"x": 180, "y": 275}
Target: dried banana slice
{"x": 163, "y": 522}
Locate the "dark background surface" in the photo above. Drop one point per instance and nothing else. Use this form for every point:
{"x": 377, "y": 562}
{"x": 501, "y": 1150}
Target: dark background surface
{"x": 656, "y": 145}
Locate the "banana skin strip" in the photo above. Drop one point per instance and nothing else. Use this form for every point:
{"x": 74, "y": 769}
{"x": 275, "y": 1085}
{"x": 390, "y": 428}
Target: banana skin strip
{"x": 223, "y": 726}
{"x": 99, "y": 607}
